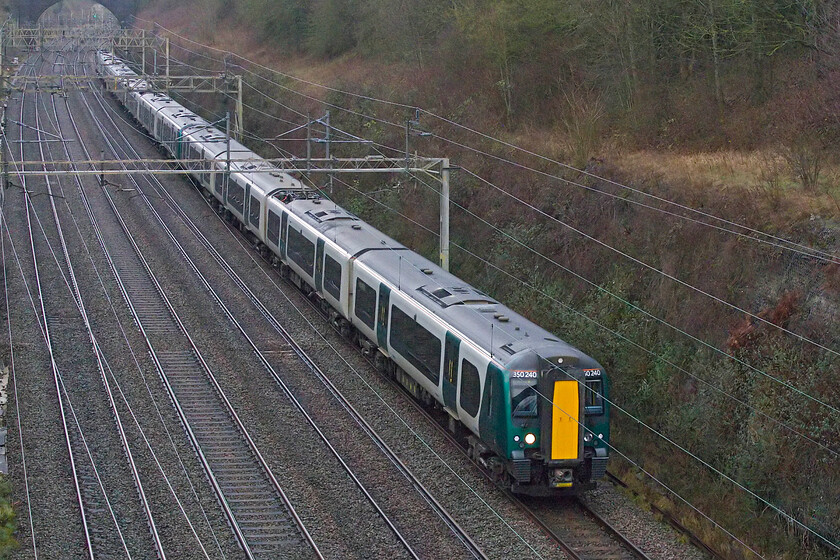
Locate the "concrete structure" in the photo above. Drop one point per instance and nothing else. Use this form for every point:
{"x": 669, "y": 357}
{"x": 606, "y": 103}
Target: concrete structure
{"x": 31, "y": 10}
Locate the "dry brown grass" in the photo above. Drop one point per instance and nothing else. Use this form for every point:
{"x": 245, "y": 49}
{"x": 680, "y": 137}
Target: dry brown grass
{"x": 764, "y": 173}
{"x": 772, "y": 184}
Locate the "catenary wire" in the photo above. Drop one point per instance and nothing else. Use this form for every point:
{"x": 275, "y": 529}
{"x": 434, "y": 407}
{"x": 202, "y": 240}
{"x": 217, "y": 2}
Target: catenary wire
{"x": 601, "y": 326}
{"x": 809, "y": 251}
{"x": 720, "y": 473}
{"x": 685, "y": 333}
{"x": 773, "y": 241}
{"x": 643, "y": 311}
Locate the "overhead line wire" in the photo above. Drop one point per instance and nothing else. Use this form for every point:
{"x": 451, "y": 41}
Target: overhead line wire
{"x": 641, "y": 310}
{"x": 595, "y": 322}
{"x": 720, "y": 473}
{"x": 696, "y": 339}
{"x": 807, "y": 250}
{"x": 656, "y": 432}
{"x": 662, "y": 321}
{"x": 651, "y": 267}
{"x": 780, "y": 243}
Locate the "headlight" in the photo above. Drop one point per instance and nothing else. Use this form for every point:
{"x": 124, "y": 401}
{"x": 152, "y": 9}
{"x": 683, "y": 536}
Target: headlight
{"x": 530, "y": 439}
{"x": 588, "y": 437}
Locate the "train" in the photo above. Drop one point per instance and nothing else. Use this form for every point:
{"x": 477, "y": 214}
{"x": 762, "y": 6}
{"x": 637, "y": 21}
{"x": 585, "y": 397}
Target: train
{"x": 532, "y": 409}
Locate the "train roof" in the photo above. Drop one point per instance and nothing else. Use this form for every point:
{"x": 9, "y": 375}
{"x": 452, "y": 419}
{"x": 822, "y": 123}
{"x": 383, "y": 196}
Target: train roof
{"x": 489, "y": 324}
{"x": 157, "y": 101}
{"x": 343, "y": 228}
{"x": 271, "y": 179}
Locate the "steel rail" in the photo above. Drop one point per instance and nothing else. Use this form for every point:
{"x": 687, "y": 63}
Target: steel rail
{"x": 78, "y": 61}
{"x": 135, "y": 472}
{"x": 13, "y": 370}
{"x": 624, "y": 541}
{"x": 183, "y": 416}
{"x": 53, "y": 364}
{"x": 447, "y": 517}
{"x": 264, "y": 361}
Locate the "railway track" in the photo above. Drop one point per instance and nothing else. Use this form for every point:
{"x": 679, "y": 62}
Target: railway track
{"x": 65, "y": 324}
{"x": 578, "y": 531}
{"x": 212, "y": 429}
{"x": 469, "y": 545}
{"x": 262, "y": 519}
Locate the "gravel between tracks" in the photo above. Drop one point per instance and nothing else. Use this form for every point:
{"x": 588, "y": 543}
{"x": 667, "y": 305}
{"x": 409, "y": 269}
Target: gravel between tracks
{"x": 342, "y": 523}
{"x": 314, "y": 481}
{"x": 485, "y": 513}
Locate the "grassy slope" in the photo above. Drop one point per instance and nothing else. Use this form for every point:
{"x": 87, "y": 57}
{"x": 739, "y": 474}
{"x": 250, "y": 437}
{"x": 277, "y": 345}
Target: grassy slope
{"x": 757, "y": 187}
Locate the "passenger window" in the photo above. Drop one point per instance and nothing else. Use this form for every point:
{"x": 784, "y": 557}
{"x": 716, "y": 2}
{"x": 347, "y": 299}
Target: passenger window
{"x": 301, "y": 250}
{"x": 417, "y": 345}
{"x": 365, "y": 303}
{"x": 470, "y": 388}
{"x": 332, "y": 277}
{"x": 236, "y": 196}
{"x": 273, "y": 228}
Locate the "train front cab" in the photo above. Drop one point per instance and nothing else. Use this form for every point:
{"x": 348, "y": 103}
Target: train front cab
{"x": 574, "y": 427}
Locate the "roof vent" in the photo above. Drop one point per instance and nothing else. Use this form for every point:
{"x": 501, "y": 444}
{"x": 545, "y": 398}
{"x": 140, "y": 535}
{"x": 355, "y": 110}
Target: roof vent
{"x": 356, "y": 226}
{"x": 316, "y": 201}
{"x": 427, "y": 271}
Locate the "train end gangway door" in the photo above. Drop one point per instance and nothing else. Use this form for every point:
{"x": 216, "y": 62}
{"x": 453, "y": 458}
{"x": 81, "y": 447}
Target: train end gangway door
{"x": 562, "y": 415}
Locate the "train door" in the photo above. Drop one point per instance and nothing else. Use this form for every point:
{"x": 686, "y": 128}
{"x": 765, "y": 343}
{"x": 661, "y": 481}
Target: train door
{"x": 319, "y": 266}
{"x": 452, "y": 349}
{"x": 382, "y": 315}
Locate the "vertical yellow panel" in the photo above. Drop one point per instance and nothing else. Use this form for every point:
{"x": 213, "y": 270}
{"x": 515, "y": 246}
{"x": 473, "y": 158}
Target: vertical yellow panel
{"x": 564, "y": 424}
